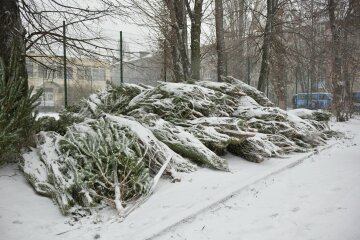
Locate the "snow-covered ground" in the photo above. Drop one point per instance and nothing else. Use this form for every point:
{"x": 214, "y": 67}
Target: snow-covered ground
{"x": 276, "y": 199}
{"x": 48, "y": 114}
{"x": 318, "y": 199}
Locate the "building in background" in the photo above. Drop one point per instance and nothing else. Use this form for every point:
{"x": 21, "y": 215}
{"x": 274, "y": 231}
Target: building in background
{"x": 148, "y": 68}
{"x": 84, "y": 76}
{"x": 140, "y": 68}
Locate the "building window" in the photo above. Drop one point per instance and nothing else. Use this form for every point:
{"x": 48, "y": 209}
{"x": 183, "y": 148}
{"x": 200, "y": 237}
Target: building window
{"x": 322, "y": 28}
{"x": 30, "y": 68}
{"x": 46, "y": 72}
{"x": 84, "y": 73}
{"x": 69, "y": 73}
{"x": 60, "y": 72}
{"x": 41, "y": 71}
{"x": 47, "y": 99}
{"x": 98, "y": 74}
{"x": 49, "y": 96}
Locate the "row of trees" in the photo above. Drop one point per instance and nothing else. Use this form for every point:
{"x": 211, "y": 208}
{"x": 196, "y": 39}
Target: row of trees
{"x": 281, "y": 45}
{"x": 319, "y": 37}
{"x": 271, "y": 43}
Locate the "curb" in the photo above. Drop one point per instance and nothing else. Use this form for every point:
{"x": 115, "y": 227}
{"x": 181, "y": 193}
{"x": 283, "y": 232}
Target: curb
{"x": 238, "y": 191}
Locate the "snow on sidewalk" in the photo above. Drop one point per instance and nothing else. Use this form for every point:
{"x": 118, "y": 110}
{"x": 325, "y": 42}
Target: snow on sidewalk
{"x": 24, "y": 215}
{"x": 318, "y": 199}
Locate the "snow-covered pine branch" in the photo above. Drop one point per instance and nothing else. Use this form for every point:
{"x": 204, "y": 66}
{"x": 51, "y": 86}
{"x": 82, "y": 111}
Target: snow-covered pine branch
{"x": 130, "y": 135}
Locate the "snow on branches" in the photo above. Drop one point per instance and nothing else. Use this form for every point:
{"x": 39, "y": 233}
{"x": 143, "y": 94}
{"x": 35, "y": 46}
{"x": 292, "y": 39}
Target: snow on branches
{"x": 131, "y": 135}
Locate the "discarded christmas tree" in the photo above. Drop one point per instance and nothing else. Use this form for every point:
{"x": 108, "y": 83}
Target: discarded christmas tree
{"x": 125, "y": 138}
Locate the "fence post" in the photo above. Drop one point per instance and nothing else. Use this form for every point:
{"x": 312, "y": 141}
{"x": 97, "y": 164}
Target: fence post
{"x": 267, "y": 86}
{"x": 308, "y": 89}
{"x": 296, "y": 87}
{"x": 248, "y": 70}
{"x": 296, "y": 82}
{"x": 165, "y": 60}
{"x": 121, "y": 59}
{"x": 286, "y": 94}
{"x": 65, "y": 70}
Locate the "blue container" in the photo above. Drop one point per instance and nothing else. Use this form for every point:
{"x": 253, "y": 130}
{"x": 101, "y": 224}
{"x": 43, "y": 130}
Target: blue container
{"x": 356, "y": 101}
{"x": 316, "y": 100}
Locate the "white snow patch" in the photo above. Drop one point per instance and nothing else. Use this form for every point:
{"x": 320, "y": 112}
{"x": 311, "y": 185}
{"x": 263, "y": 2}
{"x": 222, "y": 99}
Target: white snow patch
{"x": 246, "y": 101}
{"x": 317, "y": 200}
{"x": 48, "y": 114}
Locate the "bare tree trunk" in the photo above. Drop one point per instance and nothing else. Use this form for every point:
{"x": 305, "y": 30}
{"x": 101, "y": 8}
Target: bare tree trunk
{"x": 278, "y": 61}
{"x": 240, "y": 59}
{"x": 266, "y": 48}
{"x": 279, "y": 79}
{"x": 179, "y": 39}
{"x": 235, "y": 12}
{"x": 351, "y": 25}
{"x": 174, "y": 54}
{"x": 312, "y": 49}
{"x": 182, "y": 36}
{"x": 220, "y": 42}
{"x": 195, "y": 17}
{"x": 12, "y": 43}
{"x": 336, "y": 63}
{"x": 346, "y": 78}
{"x": 16, "y": 105}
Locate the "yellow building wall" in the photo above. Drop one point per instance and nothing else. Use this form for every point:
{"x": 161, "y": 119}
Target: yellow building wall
{"x": 98, "y": 73}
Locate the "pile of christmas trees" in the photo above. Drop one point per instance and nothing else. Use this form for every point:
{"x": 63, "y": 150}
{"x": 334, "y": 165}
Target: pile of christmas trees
{"x": 124, "y": 138}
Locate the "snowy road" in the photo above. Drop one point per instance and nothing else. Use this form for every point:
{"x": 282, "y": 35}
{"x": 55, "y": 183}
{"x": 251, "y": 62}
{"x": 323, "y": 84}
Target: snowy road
{"x": 318, "y": 199}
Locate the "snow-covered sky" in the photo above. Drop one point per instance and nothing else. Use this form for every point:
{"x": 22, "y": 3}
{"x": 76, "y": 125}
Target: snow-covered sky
{"x": 136, "y": 38}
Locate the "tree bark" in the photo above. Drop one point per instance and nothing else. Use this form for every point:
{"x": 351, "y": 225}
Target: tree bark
{"x": 279, "y": 79}
{"x": 313, "y": 55}
{"x": 278, "y": 61}
{"x": 180, "y": 12}
{"x": 346, "y": 78}
{"x": 235, "y": 12}
{"x": 350, "y": 28}
{"x": 266, "y": 48}
{"x": 179, "y": 39}
{"x": 240, "y": 58}
{"x": 195, "y": 17}
{"x": 12, "y": 43}
{"x": 16, "y": 101}
{"x": 220, "y": 42}
{"x": 336, "y": 80}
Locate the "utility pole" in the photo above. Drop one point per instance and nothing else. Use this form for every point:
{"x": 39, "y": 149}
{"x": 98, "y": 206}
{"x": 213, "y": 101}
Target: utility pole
{"x": 121, "y": 59}
{"x": 313, "y": 55}
{"x": 286, "y": 94}
{"x": 248, "y": 70}
{"x": 65, "y": 72}
{"x": 267, "y": 86}
{"x": 165, "y": 60}
{"x": 296, "y": 87}
{"x": 308, "y": 90}
{"x": 296, "y": 81}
